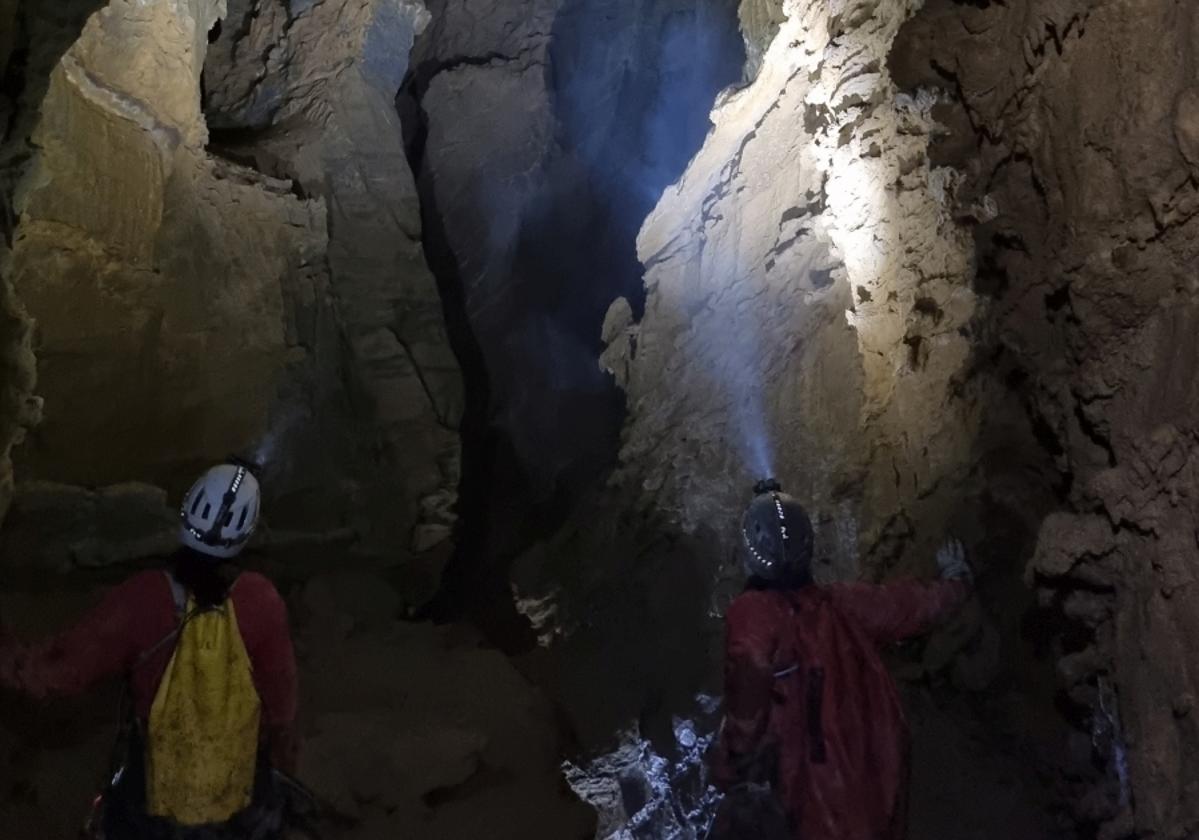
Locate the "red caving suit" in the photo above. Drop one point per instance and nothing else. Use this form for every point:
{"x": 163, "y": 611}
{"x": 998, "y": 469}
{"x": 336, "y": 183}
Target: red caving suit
{"x": 833, "y": 712}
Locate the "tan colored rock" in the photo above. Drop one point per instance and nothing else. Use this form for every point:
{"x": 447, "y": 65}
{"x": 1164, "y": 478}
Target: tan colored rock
{"x": 317, "y": 102}
{"x": 760, "y": 22}
{"x": 1186, "y": 125}
{"x": 155, "y": 277}
{"x": 188, "y": 307}
{"x": 807, "y": 292}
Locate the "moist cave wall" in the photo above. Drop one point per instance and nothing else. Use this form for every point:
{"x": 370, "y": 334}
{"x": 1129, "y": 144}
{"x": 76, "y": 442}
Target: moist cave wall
{"x": 541, "y": 300}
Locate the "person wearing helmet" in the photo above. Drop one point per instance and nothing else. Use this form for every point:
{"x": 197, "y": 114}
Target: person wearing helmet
{"x": 211, "y": 676}
{"x": 813, "y": 726}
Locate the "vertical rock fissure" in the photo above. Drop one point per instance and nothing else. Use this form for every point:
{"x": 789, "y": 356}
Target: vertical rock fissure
{"x": 468, "y": 586}
{"x": 540, "y": 140}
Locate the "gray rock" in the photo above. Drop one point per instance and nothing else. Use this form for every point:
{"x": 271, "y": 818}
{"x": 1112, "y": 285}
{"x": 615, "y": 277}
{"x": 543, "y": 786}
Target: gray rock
{"x": 59, "y": 527}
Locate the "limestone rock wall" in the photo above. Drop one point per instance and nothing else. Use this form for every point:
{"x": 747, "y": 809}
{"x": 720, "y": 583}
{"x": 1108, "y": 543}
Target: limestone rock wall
{"x": 259, "y": 288}
{"x": 25, "y": 69}
{"x": 1075, "y": 123}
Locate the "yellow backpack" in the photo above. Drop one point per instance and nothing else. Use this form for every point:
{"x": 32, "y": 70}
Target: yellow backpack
{"x": 202, "y": 735}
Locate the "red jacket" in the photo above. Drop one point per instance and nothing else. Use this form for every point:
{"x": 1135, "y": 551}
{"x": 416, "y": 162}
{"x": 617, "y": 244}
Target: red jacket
{"x": 133, "y": 618}
{"x": 803, "y": 675}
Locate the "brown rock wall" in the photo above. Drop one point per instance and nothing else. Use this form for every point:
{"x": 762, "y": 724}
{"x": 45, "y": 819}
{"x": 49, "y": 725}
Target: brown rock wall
{"x": 1073, "y": 121}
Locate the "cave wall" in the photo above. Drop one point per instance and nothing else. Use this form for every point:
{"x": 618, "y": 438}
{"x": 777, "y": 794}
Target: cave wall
{"x": 17, "y": 372}
{"x": 306, "y": 91}
{"x": 25, "y": 71}
{"x": 809, "y": 307}
{"x": 154, "y": 275}
{"x": 1075, "y": 122}
{"x": 251, "y": 288}
{"x": 588, "y": 109}
{"x": 160, "y": 319}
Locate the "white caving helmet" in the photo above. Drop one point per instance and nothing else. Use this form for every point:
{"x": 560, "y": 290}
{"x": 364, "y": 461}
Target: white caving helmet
{"x": 220, "y": 512}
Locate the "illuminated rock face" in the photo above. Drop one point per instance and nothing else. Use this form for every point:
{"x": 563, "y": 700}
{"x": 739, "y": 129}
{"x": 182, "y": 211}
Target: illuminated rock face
{"x": 160, "y": 314}
{"x": 1076, "y": 122}
{"x": 809, "y": 305}
{"x": 809, "y": 314}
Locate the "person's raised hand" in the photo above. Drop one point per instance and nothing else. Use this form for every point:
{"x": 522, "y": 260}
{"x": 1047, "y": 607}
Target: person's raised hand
{"x": 951, "y": 560}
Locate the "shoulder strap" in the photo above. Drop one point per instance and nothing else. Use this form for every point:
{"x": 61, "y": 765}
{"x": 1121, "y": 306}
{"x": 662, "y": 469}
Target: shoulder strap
{"x": 795, "y": 667}
{"x": 179, "y": 598}
{"x": 178, "y": 594}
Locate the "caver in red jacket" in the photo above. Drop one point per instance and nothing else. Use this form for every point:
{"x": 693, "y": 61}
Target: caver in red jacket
{"x": 124, "y": 635}
{"x": 803, "y": 676}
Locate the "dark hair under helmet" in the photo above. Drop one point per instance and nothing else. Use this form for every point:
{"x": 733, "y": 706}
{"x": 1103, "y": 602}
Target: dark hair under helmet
{"x": 776, "y": 536}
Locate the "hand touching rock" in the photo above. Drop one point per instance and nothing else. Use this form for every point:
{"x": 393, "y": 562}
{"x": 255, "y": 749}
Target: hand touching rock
{"x": 951, "y": 559}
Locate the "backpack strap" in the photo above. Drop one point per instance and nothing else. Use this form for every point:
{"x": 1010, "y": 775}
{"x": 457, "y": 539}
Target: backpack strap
{"x": 178, "y": 594}
{"x": 795, "y": 668}
{"x": 182, "y": 617}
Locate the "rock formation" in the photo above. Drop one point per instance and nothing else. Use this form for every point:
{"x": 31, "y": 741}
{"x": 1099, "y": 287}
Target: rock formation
{"x": 927, "y": 263}
{"x": 839, "y": 291}
{"x": 810, "y": 314}
{"x": 589, "y": 110}
{"x": 1074, "y": 121}
{"x": 305, "y": 91}
{"x": 262, "y": 291}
